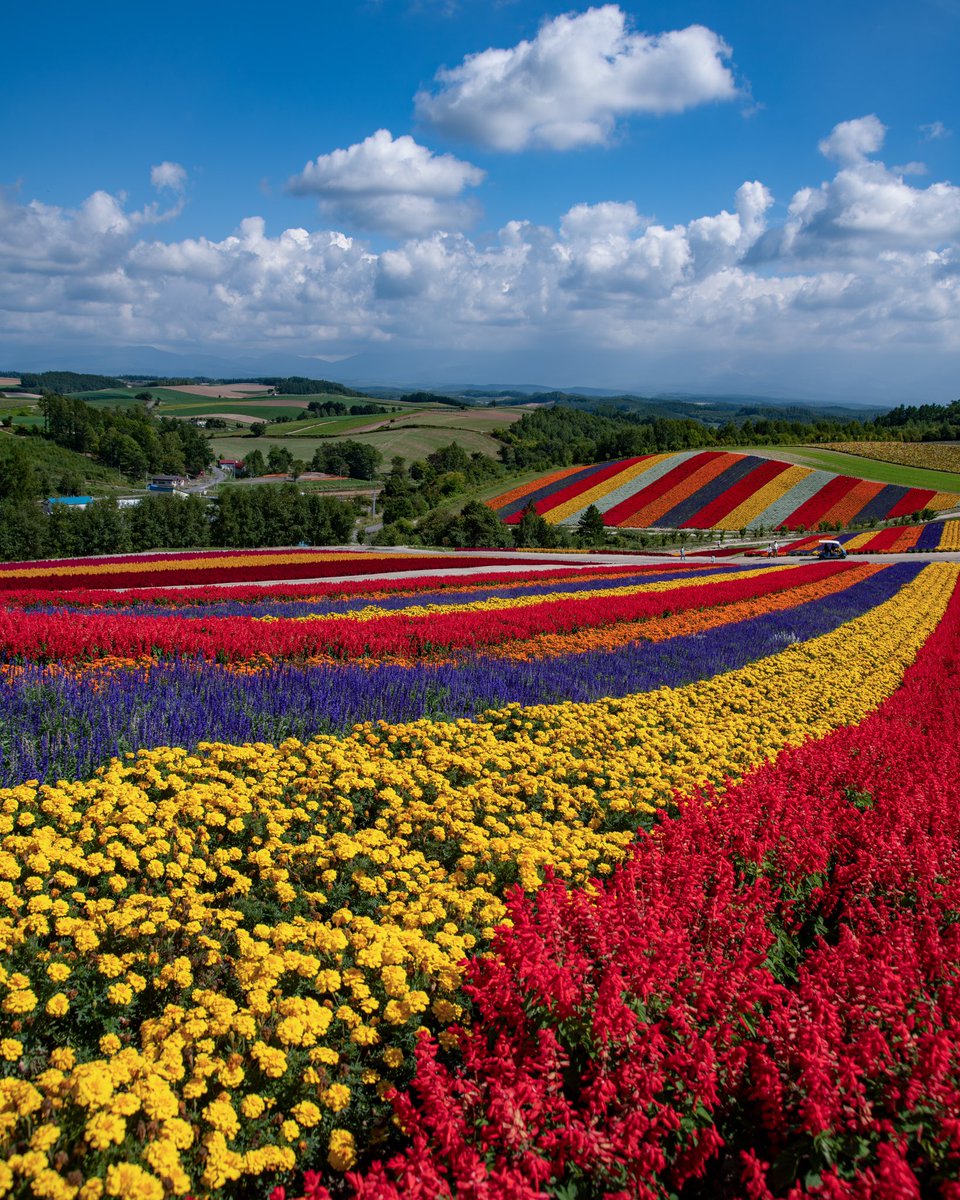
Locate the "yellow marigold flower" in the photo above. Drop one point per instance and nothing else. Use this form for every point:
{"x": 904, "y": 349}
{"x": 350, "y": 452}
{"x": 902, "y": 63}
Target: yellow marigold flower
{"x": 341, "y": 1151}
{"x": 290, "y": 1130}
{"x": 178, "y": 1132}
{"x": 221, "y": 1115}
{"x": 336, "y": 1097}
{"x": 104, "y": 1130}
{"x": 19, "y": 1002}
{"x": 120, "y": 993}
{"x": 231, "y": 1074}
{"x": 58, "y": 972}
{"x": 291, "y": 1031}
{"x": 110, "y": 1044}
{"x": 125, "y": 1104}
{"x": 307, "y": 1113}
{"x": 130, "y": 1182}
{"x": 91, "y": 1084}
{"x": 252, "y": 1106}
{"x": 45, "y": 1137}
{"x": 10, "y": 1049}
{"x": 393, "y": 1057}
{"x": 158, "y": 1100}
{"x": 444, "y": 1011}
{"x": 57, "y": 1005}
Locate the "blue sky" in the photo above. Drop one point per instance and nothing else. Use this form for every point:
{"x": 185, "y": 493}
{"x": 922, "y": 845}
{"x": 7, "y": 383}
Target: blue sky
{"x": 694, "y": 196}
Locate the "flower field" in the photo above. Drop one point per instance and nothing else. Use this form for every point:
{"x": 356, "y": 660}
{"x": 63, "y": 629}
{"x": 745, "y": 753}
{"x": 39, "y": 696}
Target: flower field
{"x": 712, "y": 490}
{"x": 895, "y": 539}
{"x": 935, "y": 456}
{"x": 366, "y": 889}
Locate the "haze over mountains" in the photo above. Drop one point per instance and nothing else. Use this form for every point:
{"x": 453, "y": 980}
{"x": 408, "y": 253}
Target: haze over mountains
{"x": 456, "y": 374}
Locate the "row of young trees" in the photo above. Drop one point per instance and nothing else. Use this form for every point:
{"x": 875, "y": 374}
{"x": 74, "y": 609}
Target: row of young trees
{"x": 270, "y": 515}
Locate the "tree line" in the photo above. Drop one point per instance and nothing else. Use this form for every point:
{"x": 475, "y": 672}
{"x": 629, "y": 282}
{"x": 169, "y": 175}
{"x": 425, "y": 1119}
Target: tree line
{"x": 240, "y": 517}
{"x": 560, "y": 436}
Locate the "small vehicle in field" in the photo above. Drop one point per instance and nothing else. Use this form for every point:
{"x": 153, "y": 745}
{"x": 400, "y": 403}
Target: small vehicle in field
{"x": 830, "y": 549}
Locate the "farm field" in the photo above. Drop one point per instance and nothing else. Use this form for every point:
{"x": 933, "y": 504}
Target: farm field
{"x": 231, "y": 445}
{"x": 258, "y": 843}
{"x": 935, "y": 456}
{"x": 415, "y": 441}
{"x": 713, "y": 489}
{"x": 410, "y": 442}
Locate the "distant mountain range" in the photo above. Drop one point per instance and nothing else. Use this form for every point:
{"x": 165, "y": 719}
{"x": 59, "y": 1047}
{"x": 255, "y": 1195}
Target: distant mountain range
{"x": 712, "y": 409}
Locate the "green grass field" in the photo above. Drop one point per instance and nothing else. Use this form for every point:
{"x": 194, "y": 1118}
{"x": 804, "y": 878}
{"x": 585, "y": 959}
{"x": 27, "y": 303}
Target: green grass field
{"x": 861, "y": 468}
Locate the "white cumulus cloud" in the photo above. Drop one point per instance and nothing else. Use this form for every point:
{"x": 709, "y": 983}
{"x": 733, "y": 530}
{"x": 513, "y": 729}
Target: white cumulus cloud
{"x": 391, "y": 185}
{"x": 567, "y": 86}
{"x": 863, "y": 271}
{"x": 853, "y": 141}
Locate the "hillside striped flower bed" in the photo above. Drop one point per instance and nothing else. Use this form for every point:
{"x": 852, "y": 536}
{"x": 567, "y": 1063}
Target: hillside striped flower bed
{"x": 712, "y": 490}
{"x": 895, "y": 539}
{"x": 254, "y": 896}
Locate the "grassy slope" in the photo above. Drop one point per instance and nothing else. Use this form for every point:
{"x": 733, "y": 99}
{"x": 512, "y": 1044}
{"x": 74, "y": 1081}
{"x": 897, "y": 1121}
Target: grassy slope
{"x": 863, "y": 468}
{"x": 56, "y": 461}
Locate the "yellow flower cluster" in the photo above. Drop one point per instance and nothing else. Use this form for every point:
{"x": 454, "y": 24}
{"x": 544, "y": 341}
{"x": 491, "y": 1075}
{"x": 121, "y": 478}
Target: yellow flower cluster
{"x": 213, "y": 964}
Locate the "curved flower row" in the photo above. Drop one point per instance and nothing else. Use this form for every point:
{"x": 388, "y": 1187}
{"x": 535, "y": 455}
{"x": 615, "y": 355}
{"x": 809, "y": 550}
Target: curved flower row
{"x": 34, "y": 636}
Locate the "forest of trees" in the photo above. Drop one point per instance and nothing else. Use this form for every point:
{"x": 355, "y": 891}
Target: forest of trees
{"x": 67, "y": 381}
{"x": 271, "y": 515}
{"x": 128, "y": 439}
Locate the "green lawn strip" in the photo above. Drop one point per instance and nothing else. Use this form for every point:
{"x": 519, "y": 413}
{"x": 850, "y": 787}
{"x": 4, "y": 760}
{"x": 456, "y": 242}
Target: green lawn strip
{"x": 852, "y": 464}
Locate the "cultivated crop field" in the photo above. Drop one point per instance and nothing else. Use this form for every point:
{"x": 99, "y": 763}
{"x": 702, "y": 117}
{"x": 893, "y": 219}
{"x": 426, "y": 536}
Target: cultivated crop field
{"x": 934, "y": 456}
{"x": 478, "y": 875}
